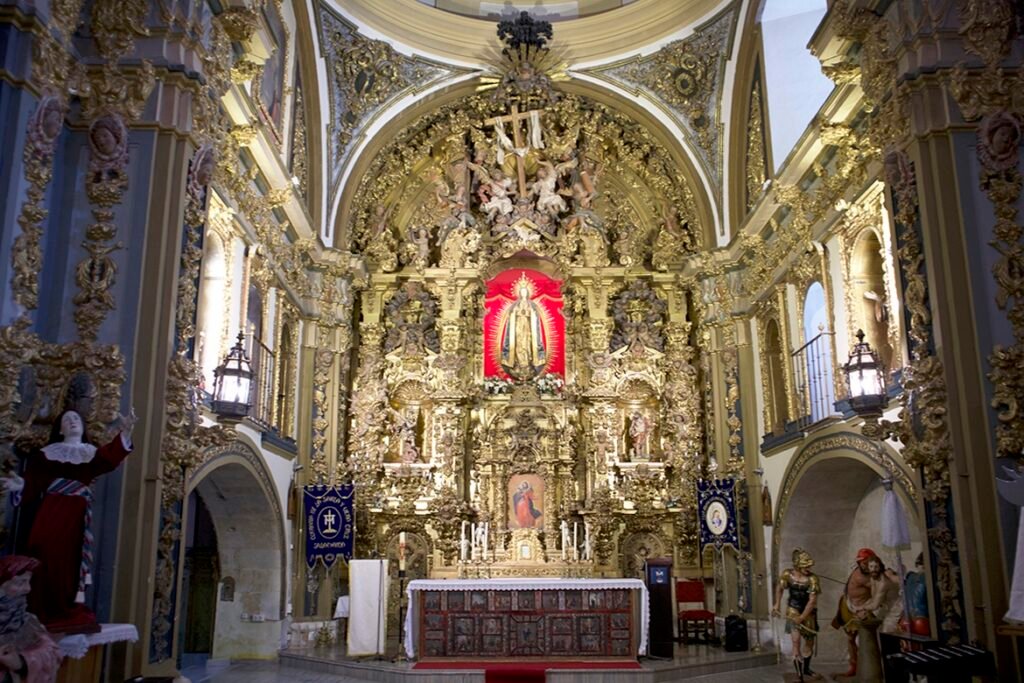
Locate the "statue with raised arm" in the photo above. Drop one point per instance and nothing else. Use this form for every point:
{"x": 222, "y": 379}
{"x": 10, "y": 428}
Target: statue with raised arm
{"x": 58, "y": 480}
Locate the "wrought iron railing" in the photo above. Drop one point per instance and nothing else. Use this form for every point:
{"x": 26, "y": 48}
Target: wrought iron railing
{"x": 815, "y": 382}
{"x": 263, "y": 364}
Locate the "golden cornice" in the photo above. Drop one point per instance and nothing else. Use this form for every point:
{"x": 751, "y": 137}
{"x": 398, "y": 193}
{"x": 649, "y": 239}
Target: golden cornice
{"x": 465, "y": 40}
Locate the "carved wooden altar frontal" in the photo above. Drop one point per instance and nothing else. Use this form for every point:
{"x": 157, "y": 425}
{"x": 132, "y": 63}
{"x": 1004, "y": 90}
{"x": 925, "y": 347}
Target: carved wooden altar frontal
{"x": 527, "y": 623}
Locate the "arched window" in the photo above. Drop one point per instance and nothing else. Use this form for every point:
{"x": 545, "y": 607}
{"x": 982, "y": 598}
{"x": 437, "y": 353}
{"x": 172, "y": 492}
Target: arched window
{"x": 814, "y": 364}
{"x": 870, "y": 303}
{"x": 213, "y": 308}
{"x": 260, "y": 355}
{"x": 778, "y": 415}
{"x": 795, "y": 86}
{"x": 285, "y": 381}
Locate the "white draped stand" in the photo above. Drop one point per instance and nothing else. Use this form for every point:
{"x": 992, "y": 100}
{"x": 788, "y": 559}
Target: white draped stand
{"x": 412, "y": 616}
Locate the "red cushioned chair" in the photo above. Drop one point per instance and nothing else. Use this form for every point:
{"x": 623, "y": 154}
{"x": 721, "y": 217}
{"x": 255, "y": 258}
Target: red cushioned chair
{"x": 689, "y": 594}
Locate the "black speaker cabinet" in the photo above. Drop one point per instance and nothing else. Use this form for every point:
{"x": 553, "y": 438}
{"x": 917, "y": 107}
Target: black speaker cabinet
{"x": 658, "y": 573}
{"x": 736, "y": 634}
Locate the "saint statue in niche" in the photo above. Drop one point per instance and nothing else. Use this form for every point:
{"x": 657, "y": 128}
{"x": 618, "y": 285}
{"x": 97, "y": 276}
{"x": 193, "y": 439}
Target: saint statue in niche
{"x": 523, "y": 348}
{"x": 640, "y": 434}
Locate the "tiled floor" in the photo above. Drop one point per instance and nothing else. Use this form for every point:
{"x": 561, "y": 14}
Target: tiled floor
{"x": 271, "y": 672}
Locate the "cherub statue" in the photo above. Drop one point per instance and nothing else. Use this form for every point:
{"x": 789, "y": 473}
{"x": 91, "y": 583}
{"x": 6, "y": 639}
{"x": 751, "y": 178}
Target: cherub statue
{"x": 549, "y": 201}
{"x": 418, "y": 246}
{"x": 494, "y": 192}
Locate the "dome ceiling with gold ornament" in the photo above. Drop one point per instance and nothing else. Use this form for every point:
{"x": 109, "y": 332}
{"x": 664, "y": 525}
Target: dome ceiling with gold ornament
{"x": 649, "y": 126}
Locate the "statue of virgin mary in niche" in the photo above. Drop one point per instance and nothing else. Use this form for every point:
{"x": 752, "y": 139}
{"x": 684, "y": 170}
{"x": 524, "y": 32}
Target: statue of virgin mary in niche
{"x": 523, "y": 350}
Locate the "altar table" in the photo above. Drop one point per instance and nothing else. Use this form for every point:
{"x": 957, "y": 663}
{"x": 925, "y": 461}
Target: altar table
{"x": 485, "y": 618}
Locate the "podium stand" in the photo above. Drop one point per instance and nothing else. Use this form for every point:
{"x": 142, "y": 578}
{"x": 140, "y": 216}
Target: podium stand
{"x": 368, "y": 595}
{"x": 658, "y": 576}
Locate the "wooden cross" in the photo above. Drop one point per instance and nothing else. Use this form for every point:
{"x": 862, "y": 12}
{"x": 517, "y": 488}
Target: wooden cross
{"x": 517, "y": 139}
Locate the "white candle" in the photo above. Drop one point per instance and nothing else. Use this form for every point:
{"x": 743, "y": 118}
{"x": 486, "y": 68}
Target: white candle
{"x": 472, "y": 539}
{"x": 462, "y": 543}
{"x": 575, "y": 540}
{"x": 401, "y": 551}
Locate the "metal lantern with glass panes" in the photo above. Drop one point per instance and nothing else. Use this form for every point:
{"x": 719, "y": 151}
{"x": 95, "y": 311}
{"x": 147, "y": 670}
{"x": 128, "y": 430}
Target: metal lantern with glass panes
{"x": 233, "y": 384}
{"x": 865, "y": 378}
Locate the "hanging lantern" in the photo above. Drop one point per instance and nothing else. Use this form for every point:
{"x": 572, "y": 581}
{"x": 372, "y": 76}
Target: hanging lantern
{"x": 233, "y": 384}
{"x": 865, "y": 378}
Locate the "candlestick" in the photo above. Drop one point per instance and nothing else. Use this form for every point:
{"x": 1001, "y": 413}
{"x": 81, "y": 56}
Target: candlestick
{"x": 401, "y": 551}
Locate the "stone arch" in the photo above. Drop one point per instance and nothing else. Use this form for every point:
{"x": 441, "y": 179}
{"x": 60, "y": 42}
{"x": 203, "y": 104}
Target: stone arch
{"x": 239, "y": 493}
{"x": 833, "y": 521}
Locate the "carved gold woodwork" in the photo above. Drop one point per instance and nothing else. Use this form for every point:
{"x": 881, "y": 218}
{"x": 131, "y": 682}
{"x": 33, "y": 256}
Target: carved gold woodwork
{"x": 756, "y": 158}
{"x": 865, "y": 220}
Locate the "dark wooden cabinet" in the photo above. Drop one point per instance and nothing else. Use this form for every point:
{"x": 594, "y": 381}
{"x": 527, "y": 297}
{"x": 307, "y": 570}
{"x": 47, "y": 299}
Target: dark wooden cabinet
{"x": 658, "y": 576}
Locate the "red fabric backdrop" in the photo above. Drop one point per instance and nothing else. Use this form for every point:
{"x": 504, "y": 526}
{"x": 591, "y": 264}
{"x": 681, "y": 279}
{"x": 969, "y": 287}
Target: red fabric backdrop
{"x": 547, "y": 294}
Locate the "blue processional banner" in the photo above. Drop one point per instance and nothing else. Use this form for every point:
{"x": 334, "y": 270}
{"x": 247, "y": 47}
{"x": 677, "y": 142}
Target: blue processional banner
{"x": 330, "y": 523}
{"x": 716, "y": 505}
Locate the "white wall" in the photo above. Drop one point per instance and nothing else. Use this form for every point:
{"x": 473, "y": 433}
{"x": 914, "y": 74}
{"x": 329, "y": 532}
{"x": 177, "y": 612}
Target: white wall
{"x": 795, "y": 86}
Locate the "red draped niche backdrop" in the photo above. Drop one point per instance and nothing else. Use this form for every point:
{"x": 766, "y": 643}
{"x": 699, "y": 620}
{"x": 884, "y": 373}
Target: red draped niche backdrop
{"x": 501, "y": 295}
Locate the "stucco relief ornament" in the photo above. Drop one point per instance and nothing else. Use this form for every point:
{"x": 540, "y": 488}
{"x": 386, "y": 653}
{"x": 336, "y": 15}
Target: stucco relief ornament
{"x": 200, "y": 172}
{"x": 47, "y": 122}
{"x": 108, "y": 144}
{"x": 999, "y": 138}
{"x": 26, "y": 255}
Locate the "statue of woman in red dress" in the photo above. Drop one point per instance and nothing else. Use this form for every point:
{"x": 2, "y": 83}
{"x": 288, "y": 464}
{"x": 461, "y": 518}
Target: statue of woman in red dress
{"x": 59, "y": 477}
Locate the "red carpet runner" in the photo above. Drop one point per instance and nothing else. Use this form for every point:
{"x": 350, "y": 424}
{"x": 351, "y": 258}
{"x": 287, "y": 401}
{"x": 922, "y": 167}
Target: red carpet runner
{"x": 510, "y": 672}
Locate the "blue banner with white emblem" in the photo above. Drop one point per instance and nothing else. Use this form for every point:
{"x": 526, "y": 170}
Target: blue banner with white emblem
{"x": 716, "y": 506}
{"x": 330, "y": 523}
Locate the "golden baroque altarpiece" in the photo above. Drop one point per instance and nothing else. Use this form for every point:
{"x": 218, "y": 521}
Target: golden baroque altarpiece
{"x": 586, "y": 408}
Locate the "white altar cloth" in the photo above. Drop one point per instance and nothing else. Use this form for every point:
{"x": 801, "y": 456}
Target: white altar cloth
{"x": 75, "y": 646}
{"x": 521, "y": 584}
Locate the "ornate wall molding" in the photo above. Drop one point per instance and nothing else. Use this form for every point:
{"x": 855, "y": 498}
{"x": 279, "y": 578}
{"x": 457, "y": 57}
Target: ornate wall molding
{"x": 756, "y": 158}
{"x": 996, "y": 99}
{"x": 685, "y": 78}
{"x": 923, "y": 428}
{"x": 364, "y": 76}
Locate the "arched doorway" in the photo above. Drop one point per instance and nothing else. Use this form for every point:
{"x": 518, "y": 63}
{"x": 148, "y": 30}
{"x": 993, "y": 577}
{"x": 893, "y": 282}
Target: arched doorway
{"x": 233, "y": 493}
{"x": 831, "y": 505}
